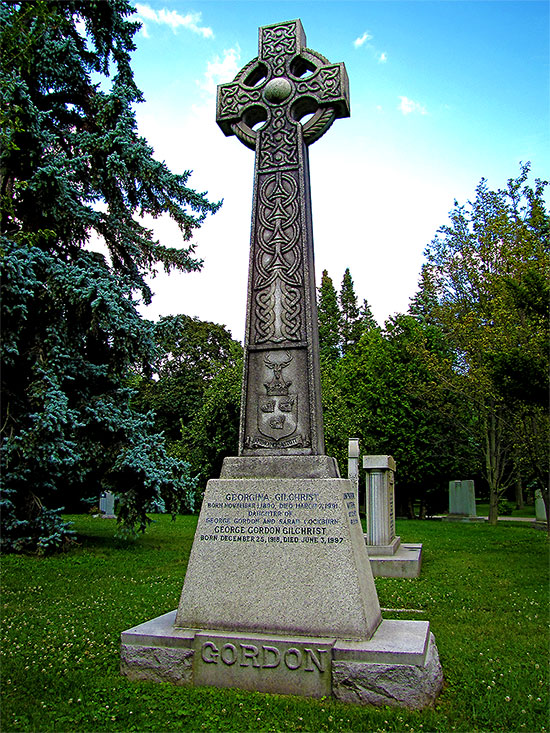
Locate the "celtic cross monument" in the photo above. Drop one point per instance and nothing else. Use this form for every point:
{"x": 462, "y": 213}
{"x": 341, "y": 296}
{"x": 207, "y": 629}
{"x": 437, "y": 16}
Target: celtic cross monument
{"x": 279, "y": 594}
{"x": 264, "y": 107}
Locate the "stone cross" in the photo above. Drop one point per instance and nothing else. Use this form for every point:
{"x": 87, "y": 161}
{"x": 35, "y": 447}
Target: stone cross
{"x": 266, "y": 107}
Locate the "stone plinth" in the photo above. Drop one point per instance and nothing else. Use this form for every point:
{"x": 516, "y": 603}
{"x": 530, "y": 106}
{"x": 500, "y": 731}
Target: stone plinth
{"x": 406, "y": 562}
{"x": 398, "y": 666}
{"x": 462, "y": 502}
{"x": 279, "y": 597}
{"x": 388, "y": 557}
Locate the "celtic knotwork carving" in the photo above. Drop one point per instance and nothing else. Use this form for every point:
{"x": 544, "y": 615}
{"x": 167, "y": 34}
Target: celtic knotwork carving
{"x": 281, "y": 146}
{"x": 279, "y": 43}
{"x": 278, "y": 104}
{"x": 324, "y": 85}
{"x": 278, "y": 262}
{"x": 233, "y": 97}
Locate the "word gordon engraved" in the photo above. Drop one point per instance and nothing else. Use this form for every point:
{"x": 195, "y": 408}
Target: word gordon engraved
{"x": 265, "y": 656}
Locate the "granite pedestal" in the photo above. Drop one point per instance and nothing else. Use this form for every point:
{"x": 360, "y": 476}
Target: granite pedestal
{"x": 279, "y": 594}
{"x": 279, "y": 597}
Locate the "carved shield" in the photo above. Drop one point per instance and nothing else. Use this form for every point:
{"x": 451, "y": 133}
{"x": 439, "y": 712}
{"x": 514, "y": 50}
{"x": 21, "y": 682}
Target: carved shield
{"x": 277, "y": 415}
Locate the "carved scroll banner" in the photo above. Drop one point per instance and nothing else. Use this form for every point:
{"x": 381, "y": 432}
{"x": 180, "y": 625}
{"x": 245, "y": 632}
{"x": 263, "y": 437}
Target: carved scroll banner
{"x": 278, "y": 104}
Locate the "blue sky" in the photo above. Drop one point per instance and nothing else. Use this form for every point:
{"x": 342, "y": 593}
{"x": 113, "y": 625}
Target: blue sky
{"x": 442, "y": 94}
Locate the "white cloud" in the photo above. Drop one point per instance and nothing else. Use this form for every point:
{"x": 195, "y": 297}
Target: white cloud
{"x": 221, "y": 70}
{"x": 408, "y": 106}
{"x": 173, "y": 19}
{"x": 362, "y": 39}
{"x": 382, "y": 58}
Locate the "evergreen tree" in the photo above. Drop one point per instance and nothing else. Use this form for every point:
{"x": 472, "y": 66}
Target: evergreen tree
{"x": 73, "y": 165}
{"x": 329, "y": 319}
{"x": 350, "y": 323}
{"x": 368, "y": 321}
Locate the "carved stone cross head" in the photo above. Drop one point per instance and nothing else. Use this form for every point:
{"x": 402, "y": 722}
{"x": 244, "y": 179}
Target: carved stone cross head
{"x": 275, "y": 91}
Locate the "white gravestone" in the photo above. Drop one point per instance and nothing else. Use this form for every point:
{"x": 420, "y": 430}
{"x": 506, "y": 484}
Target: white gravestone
{"x": 107, "y": 504}
{"x": 353, "y": 465}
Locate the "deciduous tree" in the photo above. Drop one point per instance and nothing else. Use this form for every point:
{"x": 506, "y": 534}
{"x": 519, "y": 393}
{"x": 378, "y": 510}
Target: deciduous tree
{"x": 489, "y": 270}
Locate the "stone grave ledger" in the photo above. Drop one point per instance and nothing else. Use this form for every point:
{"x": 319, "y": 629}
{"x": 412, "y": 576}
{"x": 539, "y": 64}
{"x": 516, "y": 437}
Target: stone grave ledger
{"x": 279, "y": 594}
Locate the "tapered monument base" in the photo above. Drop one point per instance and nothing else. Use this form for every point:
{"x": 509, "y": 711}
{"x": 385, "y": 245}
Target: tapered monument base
{"x": 279, "y": 597}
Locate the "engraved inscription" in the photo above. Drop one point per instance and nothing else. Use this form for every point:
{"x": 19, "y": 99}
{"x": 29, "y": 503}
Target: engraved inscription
{"x": 264, "y": 656}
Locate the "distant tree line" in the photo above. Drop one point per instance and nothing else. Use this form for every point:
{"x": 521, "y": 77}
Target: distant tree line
{"x": 457, "y": 387}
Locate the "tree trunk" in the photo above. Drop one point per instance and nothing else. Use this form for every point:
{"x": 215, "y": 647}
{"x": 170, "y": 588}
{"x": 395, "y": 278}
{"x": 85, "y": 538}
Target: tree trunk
{"x": 519, "y": 492}
{"x": 493, "y": 505}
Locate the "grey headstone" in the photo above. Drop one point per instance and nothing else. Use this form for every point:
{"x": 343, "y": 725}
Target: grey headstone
{"x": 380, "y": 503}
{"x": 540, "y": 509}
{"x": 462, "y": 499}
{"x": 107, "y": 504}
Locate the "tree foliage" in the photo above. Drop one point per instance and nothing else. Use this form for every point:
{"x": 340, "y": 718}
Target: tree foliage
{"x": 489, "y": 272}
{"x": 190, "y": 352}
{"x": 350, "y": 320}
{"x": 72, "y": 166}
{"x": 459, "y": 385}
{"x": 329, "y": 319}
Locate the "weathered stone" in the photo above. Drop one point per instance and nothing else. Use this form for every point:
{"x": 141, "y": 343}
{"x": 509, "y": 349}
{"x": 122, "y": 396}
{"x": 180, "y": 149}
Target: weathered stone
{"x": 280, "y": 555}
{"x": 157, "y": 663}
{"x": 281, "y": 403}
{"x": 353, "y": 465}
{"x": 403, "y": 685}
{"x": 462, "y": 502}
{"x": 388, "y": 557}
{"x": 107, "y": 505}
{"x": 406, "y": 562}
{"x": 398, "y": 665}
{"x": 279, "y": 466}
{"x": 380, "y": 504}
{"x": 286, "y": 665}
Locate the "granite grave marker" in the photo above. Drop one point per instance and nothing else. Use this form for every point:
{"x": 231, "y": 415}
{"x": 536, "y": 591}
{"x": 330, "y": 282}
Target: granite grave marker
{"x": 279, "y": 594}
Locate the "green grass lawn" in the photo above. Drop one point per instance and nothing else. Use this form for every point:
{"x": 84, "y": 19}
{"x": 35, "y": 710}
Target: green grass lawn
{"x": 484, "y": 590}
{"x": 482, "y": 510}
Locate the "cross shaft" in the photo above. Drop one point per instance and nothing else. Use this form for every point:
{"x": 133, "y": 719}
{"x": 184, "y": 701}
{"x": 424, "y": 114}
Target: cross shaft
{"x": 264, "y": 107}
